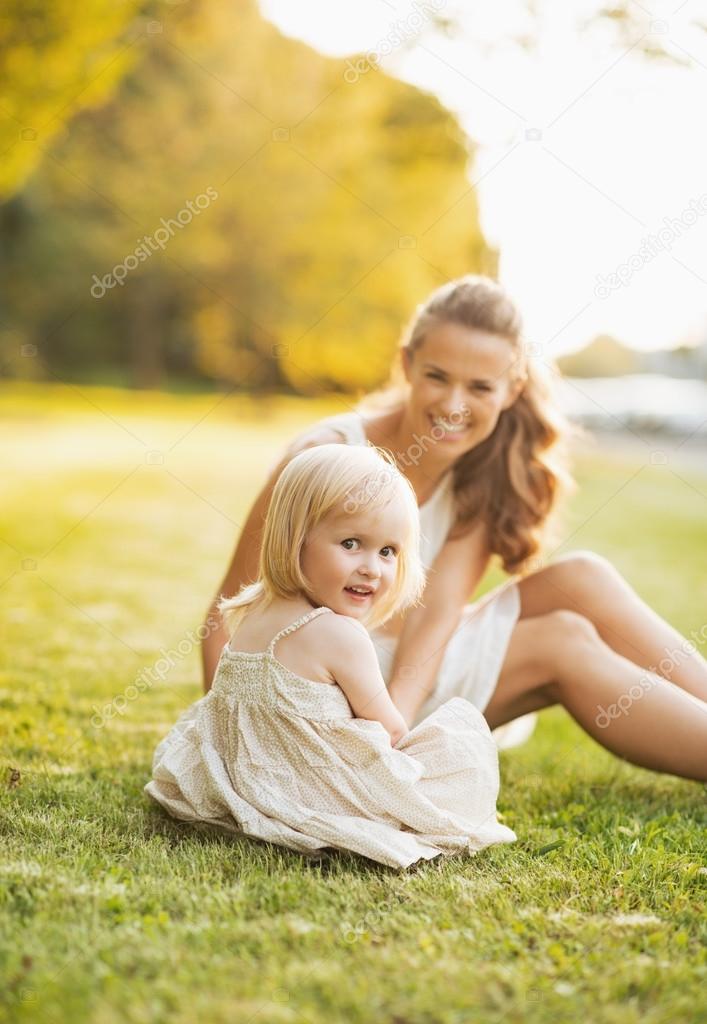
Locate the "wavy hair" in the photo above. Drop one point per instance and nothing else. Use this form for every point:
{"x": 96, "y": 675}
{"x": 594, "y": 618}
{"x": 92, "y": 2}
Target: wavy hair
{"x": 510, "y": 481}
{"x": 316, "y": 482}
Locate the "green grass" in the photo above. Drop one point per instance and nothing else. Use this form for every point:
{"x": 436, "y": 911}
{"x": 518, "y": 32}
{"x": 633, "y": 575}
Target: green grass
{"x": 113, "y": 912}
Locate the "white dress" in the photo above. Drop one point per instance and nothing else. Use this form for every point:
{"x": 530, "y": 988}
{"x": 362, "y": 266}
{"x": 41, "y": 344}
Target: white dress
{"x": 270, "y": 754}
{"x": 475, "y": 653}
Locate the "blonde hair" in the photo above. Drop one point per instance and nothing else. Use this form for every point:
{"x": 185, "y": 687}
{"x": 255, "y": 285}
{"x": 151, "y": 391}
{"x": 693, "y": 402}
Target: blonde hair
{"x": 313, "y": 484}
{"x": 510, "y": 481}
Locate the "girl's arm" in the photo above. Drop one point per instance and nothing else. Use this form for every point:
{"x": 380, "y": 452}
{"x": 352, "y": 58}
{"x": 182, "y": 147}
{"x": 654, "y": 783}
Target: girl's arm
{"x": 452, "y": 579}
{"x": 243, "y": 568}
{"x": 354, "y": 665}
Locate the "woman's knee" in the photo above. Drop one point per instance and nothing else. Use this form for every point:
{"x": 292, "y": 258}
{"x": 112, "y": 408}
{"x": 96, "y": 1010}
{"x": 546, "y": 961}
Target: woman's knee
{"x": 586, "y": 571}
{"x": 582, "y": 581}
{"x": 570, "y": 636}
{"x": 547, "y": 644}
{"x": 584, "y": 578}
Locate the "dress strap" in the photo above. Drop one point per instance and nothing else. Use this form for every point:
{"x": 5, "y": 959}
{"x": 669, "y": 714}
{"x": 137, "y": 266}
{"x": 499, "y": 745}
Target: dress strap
{"x": 307, "y": 617}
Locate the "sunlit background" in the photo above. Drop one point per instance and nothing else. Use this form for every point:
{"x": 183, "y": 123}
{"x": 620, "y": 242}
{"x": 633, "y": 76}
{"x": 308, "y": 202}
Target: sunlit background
{"x": 589, "y": 141}
{"x": 358, "y": 155}
{"x": 216, "y": 216}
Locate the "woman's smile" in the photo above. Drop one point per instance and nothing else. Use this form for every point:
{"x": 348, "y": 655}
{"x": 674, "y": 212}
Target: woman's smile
{"x": 461, "y": 380}
{"x": 448, "y": 429}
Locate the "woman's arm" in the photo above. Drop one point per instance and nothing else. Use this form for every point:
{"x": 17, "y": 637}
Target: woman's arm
{"x": 243, "y": 568}
{"x": 428, "y": 627}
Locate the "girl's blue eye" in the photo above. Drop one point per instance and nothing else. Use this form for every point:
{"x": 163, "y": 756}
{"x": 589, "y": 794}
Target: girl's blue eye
{"x": 393, "y": 551}
{"x": 349, "y": 540}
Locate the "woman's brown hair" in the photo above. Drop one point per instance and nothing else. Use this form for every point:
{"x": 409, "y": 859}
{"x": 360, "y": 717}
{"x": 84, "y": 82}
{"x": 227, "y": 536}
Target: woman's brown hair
{"x": 512, "y": 479}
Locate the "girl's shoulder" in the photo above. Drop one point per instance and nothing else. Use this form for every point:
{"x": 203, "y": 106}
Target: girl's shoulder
{"x": 329, "y": 636}
{"x": 346, "y": 640}
{"x": 259, "y": 628}
{"x": 325, "y": 626}
{"x": 316, "y": 649}
{"x": 340, "y": 625}
{"x": 346, "y": 647}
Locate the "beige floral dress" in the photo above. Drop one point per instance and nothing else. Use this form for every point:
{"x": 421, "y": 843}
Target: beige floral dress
{"x": 270, "y": 754}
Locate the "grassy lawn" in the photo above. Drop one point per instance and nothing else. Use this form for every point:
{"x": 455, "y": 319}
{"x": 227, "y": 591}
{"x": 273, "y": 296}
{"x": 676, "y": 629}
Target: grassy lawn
{"x": 119, "y": 513}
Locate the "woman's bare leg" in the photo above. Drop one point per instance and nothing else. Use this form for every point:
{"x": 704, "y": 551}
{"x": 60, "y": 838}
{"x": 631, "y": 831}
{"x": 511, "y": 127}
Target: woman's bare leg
{"x": 590, "y": 585}
{"x": 561, "y": 658}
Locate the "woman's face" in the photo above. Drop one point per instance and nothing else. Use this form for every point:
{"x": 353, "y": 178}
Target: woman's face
{"x": 461, "y": 379}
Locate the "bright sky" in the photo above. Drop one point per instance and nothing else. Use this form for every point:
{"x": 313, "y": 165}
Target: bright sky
{"x": 621, "y": 157}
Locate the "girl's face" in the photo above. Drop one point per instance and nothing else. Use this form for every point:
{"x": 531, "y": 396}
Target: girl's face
{"x": 350, "y": 558}
{"x": 461, "y": 379}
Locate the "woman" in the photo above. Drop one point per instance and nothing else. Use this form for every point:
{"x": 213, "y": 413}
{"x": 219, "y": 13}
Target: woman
{"x": 473, "y": 431}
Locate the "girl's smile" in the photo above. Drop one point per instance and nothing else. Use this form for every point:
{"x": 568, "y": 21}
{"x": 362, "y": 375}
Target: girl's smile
{"x": 350, "y": 558}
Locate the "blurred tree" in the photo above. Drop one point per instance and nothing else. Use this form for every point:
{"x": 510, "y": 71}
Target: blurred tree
{"x": 302, "y": 217}
{"x": 627, "y": 25}
{"x": 55, "y": 59}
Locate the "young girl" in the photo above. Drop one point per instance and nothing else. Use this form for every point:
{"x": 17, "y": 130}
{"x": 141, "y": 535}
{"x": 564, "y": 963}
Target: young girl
{"x": 297, "y": 741}
{"x": 471, "y": 425}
